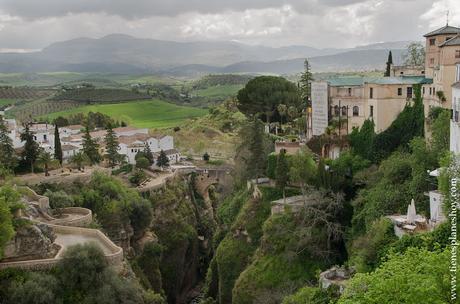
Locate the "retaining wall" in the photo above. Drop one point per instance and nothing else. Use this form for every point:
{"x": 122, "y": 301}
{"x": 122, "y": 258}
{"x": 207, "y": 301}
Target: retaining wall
{"x": 84, "y": 220}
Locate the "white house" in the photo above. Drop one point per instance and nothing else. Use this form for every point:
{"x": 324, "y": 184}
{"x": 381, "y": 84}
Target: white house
{"x": 68, "y": 151}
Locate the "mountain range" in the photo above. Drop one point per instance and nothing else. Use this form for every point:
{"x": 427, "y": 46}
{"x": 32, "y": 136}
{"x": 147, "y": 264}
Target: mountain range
{"x": 119, "y": 53}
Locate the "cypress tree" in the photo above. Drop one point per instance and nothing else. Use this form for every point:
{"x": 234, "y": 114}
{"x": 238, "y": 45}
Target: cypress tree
{"x": 7, "y": 154}
{"x": 57, "y": 145}
{"x": 31, "y": 147}
{"x": 257, "y": 159}
{"x": 90, "y": 147}
{"x": 111, "y": 146}
{"x": 305, "y": 81}
{"x": 389, "y": 64}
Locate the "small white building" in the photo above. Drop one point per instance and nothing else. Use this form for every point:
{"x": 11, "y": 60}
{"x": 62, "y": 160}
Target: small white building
{"x": 68, "y": 151}
{"x": 70, "y": 130}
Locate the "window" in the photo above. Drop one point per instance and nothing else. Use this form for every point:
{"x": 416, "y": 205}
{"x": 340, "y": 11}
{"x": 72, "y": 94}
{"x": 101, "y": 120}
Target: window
{"x": 349, "y": 91}
{"x": 457, "y": 53}
{"x": 431, "y": 90}
{"x": 371, "y": 111}
{"x": 434, "y": 91}
{"x": 344, "y": 111}
{"x": 432, "y": 41}
{"x": 371, "y": 93}
{"x": 401, "y": 73}
{"x": 336, "y": 111}
{"x": 409, "y": 92}
{"x": 355, "y": 111}
{"x": 44, "y": 137}
{"x": 431, "y": 60}
{"x": 399, "y": 91}
{"x": 423, "y": 90}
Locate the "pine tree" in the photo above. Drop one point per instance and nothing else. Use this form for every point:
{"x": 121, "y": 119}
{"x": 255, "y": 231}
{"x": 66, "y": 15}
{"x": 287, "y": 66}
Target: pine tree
{"x": 7, "y": 154}
{"x": 282, "y": 172}
{"x": 31, "y": 147}
{"x": 90, "y": 147}
{"x": 148, "y": 154}
{"x": 162, "y": 160}
{"x": 305, "y": 81}
{"x": 57, "y": 145}
{"x": 111, "y": 146}
{"x": 389, "y": 64}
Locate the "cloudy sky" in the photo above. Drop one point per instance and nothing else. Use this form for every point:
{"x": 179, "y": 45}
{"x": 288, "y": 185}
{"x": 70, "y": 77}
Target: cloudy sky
{"x": 34, "y": 24}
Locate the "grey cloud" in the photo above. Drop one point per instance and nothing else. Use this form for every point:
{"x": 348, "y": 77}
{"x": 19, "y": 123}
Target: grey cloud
{"x": 131, "y": 9}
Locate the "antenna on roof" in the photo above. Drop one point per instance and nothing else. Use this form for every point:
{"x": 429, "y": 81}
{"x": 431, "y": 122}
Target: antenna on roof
{"x": 447, "y": 18}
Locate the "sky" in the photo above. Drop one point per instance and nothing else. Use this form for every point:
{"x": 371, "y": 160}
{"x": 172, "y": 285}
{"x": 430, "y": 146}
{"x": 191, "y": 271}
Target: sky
{"x": 34, "y": 24}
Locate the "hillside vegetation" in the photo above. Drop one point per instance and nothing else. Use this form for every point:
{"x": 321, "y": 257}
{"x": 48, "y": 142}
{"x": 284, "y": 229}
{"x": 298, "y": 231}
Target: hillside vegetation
{"x": 90, "y": 95}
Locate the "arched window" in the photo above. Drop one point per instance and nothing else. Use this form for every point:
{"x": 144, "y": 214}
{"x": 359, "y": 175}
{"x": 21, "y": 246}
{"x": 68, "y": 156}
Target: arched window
{"x": 344, "y": 111}
{"x": 336, "y": 110}
{"x": 355, "y": 111}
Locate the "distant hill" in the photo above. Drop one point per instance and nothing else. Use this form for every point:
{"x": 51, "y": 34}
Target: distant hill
{"x": 125, "y": 54}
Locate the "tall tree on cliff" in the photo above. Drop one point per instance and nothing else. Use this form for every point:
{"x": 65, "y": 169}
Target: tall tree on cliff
{"x": 389, "y": 64}
{"x": 305, "y": 81}
{"x": 257, "y": 158}
{"x": 90, "y": 147}
{"x": 282, "y": 172}
{"x": 57, "y": 145}
{"x": 7, "y": 155}
{"x": 31, "y": 148}
{"x": 111, "y": 146}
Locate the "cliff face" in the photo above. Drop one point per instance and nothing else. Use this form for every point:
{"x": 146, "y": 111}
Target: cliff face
{"x": 31, "y": 242}
{"x": 176, "y": 251}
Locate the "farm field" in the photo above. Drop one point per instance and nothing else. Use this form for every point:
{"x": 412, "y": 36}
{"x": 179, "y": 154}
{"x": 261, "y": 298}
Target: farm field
{"x": 6, "y": 101}
{"x": 142, "y": 114}
{"x": 219, "y": 91}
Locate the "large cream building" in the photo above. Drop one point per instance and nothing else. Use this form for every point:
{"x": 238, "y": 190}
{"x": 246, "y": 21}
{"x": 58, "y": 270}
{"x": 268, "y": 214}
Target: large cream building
{"x": 352, "y": 100}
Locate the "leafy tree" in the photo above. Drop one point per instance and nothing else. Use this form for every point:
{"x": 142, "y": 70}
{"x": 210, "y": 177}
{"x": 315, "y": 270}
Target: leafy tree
{"x": 282, "y": 172}
{"x": 162, "y": 160}
{"x": 389, "y": 64}
{"x": 417, "y": 276}
{"x": 206, "y": 157}
{"x": 38, "y": 288}
{"x": 142, "y": 162}
{"x": 57, "y": 145}
{"x": 6, "y": 224}
{"x": 31, "y": 148}
{"x": 440, "y": 129}
{"x": 263, "y": 94}
{"x": 90, "y": 147}
{"x": 112, "y": 146}
{"x": 79, "y": 160}
{"x": 7, "y": 154}
{"x": 292, "y": 112}
{"x": 302, "y": 170}
{"x": 282, "y": 110}
{"x": 415, "y": 54}
{"x": 362, "y": 139}
{"x": 45, "y": 159}
{"x": 305, "y": 81}
{"x": 137, "y": 177}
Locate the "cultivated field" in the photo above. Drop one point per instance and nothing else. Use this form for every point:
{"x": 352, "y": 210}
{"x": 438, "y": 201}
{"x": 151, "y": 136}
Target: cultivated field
{"x": 142, "y": 114}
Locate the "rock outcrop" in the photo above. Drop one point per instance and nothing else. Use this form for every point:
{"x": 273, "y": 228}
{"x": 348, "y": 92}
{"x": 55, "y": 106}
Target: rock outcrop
{"x": 31, "y": 242}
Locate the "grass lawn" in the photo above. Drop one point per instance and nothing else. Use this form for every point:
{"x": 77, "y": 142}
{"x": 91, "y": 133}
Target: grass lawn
{"x": 141, "y": 114}
{"x": 6, "y": 101}
{"x": 219, "y": 91}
